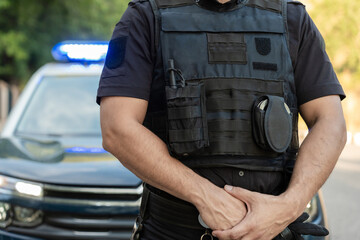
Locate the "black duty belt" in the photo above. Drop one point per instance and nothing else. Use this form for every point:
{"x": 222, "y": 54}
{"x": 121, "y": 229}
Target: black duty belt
{"x": 172, "y": 212}
{"x": 169, "y": 211}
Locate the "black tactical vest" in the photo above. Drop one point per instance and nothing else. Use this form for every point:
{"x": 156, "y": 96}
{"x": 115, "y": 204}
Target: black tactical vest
{"x": 229, "y": 84}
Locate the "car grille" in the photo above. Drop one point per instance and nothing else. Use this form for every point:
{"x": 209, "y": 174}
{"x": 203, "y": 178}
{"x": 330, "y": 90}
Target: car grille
{"x": 110, "y": 213}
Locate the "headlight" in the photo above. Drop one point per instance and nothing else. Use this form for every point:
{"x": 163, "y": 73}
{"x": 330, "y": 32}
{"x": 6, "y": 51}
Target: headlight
{"x": 312, "y": 209}
{"x": 23, "y": 188}
{"x": 29, "y": 189}
{"x": 17, "y": 215}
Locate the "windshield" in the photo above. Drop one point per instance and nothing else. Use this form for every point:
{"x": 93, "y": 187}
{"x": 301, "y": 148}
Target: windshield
{"x": 62, "y": 106}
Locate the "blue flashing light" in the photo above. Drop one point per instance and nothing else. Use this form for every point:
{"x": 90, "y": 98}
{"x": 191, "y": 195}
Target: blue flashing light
{"x": 85, "y": 150}
{"x": 80, "y": 51}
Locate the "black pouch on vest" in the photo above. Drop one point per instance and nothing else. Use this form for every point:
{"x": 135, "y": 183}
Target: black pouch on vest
{"x": 187, "y": 124}
{"x": 272, "y": 123}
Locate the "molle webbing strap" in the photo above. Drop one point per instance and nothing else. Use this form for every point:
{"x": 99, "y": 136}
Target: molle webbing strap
{"x": 184, "y": 112}
{"x": 186, "y": 135}
{"x": 237, "y": 147}
{"x": 242, "y": 137}
{"x": 271, "y": 5}
{"x": 229, "y": 125}
{"x": 188, "y": 92}
{"x": 173, "y": 3}
{"x": 262, "y": 86}
{"x": 239, "y": 115}
{"x": 229, "y": 104}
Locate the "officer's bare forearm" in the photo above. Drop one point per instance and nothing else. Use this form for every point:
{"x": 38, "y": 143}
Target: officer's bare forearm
{"x": 147, "y": 156}
{"x": 320, "y": 150}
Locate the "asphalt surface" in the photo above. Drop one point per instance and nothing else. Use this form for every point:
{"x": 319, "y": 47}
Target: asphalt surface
{"x": 342, "y": 196}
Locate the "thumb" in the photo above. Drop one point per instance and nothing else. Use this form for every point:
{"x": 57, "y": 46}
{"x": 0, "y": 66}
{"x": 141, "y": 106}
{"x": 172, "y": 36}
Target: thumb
{"x": 239, "y": 193}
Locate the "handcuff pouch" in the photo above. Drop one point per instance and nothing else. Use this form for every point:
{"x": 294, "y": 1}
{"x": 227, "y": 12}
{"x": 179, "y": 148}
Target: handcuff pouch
{"x": 272, "y": 123}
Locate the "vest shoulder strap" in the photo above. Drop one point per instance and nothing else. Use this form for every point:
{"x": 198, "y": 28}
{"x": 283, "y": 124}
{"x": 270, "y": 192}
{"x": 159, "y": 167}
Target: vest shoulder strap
{"x": 285, "y": 19}
{"x": 155, "y": 8}
{"x": 295, "y": 2}
{"x": 173, "y": 3}
{"x": 271, "y": 5}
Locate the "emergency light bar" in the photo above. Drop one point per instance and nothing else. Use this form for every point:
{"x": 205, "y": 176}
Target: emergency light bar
{"x": 85, "y": 150}
{"x": 80, "y": 51}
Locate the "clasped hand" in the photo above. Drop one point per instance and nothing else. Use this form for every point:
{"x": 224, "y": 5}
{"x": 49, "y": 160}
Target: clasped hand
{"x": 248, "y": 215}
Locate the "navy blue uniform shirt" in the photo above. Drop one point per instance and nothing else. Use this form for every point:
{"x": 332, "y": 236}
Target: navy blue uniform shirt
{"x": 129, "y": 73}
{"x": 136, "y": 57}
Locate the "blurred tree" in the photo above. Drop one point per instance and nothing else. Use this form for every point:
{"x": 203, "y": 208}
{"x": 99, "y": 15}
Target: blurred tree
{"x": 29, "y": 29}
{"x": 339, "y": 22}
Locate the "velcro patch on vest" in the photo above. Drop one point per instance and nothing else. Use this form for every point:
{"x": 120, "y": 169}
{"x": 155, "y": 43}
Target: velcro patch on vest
{"x": 173, "y": 3}
{"x": 116, "y": 53}
{"x": 263, "y": 46}
{"x": 265, "y": 66}
{"x": 271, "y": 5}
{"x": 227, "y": 48}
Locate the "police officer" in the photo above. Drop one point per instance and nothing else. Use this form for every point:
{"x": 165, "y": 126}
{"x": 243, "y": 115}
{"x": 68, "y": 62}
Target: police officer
{"x": 200, "y": 100}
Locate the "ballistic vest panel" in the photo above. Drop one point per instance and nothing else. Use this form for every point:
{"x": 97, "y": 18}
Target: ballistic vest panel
{"x": 222, "y": 62}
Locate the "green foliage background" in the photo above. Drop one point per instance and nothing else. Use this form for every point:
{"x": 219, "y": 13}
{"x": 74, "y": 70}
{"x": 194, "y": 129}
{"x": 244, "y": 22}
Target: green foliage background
{"x": 339, "y": 23}
{"x": 30, "y": 28}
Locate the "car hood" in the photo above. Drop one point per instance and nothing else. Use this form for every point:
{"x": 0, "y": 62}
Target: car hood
{"x": 63, "y": 162}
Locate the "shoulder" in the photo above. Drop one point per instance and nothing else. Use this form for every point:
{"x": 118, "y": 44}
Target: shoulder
{"x": 143, "y": 5}
{"x": 138, "y": 9}
{"x": 298, "y": 19}
{"x": 296, "y": 11}
{"x": 294, "y": 2}
{"x": 295, "y": 8}
{"x": 134, "y": 2}
{"x": 137, "y": 16}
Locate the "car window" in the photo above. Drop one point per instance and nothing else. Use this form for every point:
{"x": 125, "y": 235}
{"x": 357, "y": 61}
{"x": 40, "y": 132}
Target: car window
{"x": 62, "y": 106}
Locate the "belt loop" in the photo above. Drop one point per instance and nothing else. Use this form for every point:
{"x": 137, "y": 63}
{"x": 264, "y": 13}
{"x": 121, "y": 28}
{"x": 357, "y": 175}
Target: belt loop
{"x": 144, "y": 202}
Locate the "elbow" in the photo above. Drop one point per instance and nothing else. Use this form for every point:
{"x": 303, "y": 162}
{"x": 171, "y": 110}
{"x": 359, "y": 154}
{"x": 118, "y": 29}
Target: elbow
{"x": 343, "y": 133}
{"x": 106, "y": 145}
{"x": 114, "y": 139}
{"x": 339, "y": 133}
{"x": 109, "y": 140}
{"x": 106, "y": 142}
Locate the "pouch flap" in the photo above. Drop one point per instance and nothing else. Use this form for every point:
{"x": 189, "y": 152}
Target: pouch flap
{"x": 278, "y": 124}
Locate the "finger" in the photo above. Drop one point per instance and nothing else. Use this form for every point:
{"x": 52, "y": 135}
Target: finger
{"x": 303, "y": 217}
{"x": 227, "y": 235}
{"x": 237, "y": 232}
{"x": 239, "y": 193}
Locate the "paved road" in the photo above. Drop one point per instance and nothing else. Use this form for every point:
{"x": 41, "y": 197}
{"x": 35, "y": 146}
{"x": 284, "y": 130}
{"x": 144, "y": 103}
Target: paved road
{"x": 342, "y": 196}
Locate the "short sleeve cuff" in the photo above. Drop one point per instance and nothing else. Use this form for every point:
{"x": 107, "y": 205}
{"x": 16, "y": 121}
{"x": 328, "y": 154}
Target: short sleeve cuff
{"x": 122, "y": 92}
{"x": 321, "y": 91}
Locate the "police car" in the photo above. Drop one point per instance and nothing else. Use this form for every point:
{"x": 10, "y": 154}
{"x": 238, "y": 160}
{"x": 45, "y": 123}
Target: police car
{"x": 56, "y": 180}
